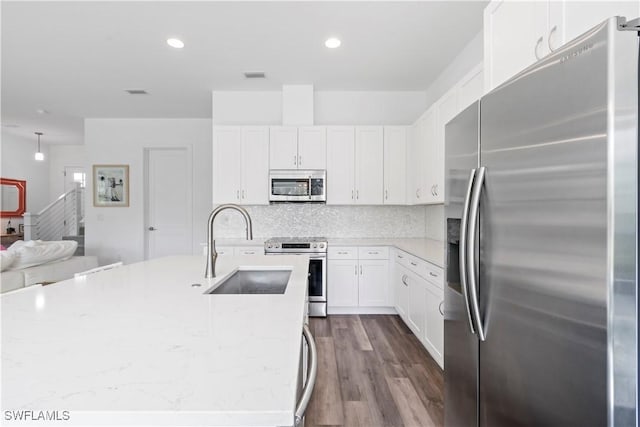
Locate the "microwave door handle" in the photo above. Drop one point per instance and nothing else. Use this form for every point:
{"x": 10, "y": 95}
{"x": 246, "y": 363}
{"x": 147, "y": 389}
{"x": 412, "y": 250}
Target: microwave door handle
{"x": 310, "y": 192}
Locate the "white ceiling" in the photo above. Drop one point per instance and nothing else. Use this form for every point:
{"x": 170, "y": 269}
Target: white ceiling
{"x": 74, "y": 59}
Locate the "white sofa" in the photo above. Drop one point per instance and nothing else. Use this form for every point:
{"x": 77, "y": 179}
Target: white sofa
{"x": 51, "y": 272}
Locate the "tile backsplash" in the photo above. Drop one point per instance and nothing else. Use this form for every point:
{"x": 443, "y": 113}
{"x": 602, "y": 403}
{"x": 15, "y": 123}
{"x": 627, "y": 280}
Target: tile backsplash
{"x": 291, "y": 219}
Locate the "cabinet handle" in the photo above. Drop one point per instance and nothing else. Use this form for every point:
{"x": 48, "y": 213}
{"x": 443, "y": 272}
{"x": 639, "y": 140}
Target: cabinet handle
{"x": 351, "y": 194}
{"x": 404, "y": 280}
{"x": 535, "y": 50}
{"x": 295, "y": 160}
{"x": 373, "y": 253}
{"x": 433, "y": 274}
{"x": 152, "y": 228}
{"x": 386, "y": 194}
{"x": 440, "y": 307}
{"x": 356, "y": 269}
{"x": 238, "y": 194}
{"x": 243, "y": 194}
{"x": 414, "y": 264}
{"x": 436, "y": 189}
{"x": 249, "y": 252}
{"x": 553, "y": 30}
{"x": 361, "y": 270}
{"x": 342, "y": 253}
{"x": 400, "y": 256}
{"x": 418, "y": 193}
{"x": 299, "y": 160}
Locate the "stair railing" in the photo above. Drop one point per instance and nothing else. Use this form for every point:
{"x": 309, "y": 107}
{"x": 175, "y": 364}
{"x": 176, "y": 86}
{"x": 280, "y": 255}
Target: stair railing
{"x": 62, "y": 217}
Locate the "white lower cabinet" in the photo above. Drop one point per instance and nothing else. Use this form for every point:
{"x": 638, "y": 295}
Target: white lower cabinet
{"x": 419, "y": 301}
{"x": 358, "y": 277}
{"x": 434, "y": 322}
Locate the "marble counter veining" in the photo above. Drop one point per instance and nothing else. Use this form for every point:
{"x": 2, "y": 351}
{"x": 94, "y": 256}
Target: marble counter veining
{"x": 139, "y": 345}
{"x": 429, "y": 250}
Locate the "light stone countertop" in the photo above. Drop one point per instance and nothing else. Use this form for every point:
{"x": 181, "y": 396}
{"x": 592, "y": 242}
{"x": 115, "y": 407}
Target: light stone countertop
{"x": 429, "y": 250}
{"x": 138, "y": 345}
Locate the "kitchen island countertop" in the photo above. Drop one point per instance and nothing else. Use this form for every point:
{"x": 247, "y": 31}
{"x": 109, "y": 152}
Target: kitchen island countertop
{"x": 139, "y": 345}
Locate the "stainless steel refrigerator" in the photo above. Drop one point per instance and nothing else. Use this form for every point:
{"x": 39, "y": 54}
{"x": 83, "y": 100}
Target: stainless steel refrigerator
{"x": 541, "y": 214}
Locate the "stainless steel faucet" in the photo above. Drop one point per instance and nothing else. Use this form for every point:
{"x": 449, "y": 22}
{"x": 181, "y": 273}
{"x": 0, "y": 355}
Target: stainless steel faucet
{"x": 212, "y": 255}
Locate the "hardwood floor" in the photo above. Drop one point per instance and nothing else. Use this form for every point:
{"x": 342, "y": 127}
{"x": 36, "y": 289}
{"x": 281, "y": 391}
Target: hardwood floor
{"x": 372, "y": 371}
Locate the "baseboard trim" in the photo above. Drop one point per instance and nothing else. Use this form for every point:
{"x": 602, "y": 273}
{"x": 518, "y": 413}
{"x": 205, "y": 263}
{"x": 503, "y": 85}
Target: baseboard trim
{"x": 361, "y": 310}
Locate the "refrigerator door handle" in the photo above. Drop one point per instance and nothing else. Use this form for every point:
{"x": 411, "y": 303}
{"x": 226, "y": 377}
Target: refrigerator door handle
{"x": 471, "y": 253}
{"x": 462, "y": 254}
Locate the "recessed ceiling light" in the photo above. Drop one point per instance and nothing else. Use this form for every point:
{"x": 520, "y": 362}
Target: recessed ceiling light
{"x": 332, "y": 43}
{"x": 177, "y": 43}
{"x": 42, "y": 111}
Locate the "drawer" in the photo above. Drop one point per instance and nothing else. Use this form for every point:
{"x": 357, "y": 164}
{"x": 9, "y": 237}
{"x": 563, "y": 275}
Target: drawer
{"x": 435, "y": 275}
{"x": 402, "y": 258}
{"x": 373, "y": 252}
{"x": 342, "y": 252}
{"x": 249, "y": 250}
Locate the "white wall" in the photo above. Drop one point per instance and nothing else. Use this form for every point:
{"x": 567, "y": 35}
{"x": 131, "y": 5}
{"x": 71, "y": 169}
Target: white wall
{"x": 59, "y": 157}
{"x": 330, "y": 107}
{"x": 469, "y": 57}
{"x": 17, "y": 162}
{"x": 115, "y": 234}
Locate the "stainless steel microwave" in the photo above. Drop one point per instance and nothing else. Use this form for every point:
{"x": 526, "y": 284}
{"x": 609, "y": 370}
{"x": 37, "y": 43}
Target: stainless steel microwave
{"x": 297, "y": 185}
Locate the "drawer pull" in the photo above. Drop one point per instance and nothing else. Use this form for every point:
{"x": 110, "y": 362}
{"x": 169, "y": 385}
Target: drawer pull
{"x": 373, "y": 253}
{"x": 414, "y": 264}
{"x": 440, "y": 307}
{"x": 342, "y": 253}
{"x": 404, "y": 280}
{"x": 400, "y": 256}
{"x": 249, "y": 252}
{"x": 433, "y": 274}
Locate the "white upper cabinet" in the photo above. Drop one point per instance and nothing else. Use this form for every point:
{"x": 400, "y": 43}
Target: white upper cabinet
{"x": 312, "y": 148}
{"x": 446, "y": 109}
{"x": 513, "y": 38}
{"x": 354, "y": 165}
{"x": 255, "y": 167}
{"x": 471, "y": 87}
{"x": 395, "y": 165}
{"x": 298, "y": 148}
{"x": 518, "y": 33}
{"x": 240, "y": 165}
{"x": 283, "y": 150}
{"x": 422, "y": 149}
{"x": 369, "y": 165}
{"x": 227, "y": 162}
{"x": 341, "y": 152}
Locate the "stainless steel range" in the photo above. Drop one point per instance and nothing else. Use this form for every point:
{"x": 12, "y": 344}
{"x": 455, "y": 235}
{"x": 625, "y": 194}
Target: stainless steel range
{"x": 316, "y": 249}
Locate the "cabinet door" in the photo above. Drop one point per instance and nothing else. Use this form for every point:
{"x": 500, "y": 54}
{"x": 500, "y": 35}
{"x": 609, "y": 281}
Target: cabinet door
{"x": 395, "y": 165}
{"x": 312, "y": 148}
{"x": 417, "y": 304}
{"x": 342, "y": 283}
{"x": 446, "y": 109}
{"x": 401, "y": 285}
{"x": 513, "y": 32}
{"x": 340, "y": 165}
{"x": 255, "y": 166}
{"x": 434, "y": 323}
{"x": 373, "y": 285}
{"x": 227, "y": 155}
{"x": 569, "y": 19}
{"x": 369, "y": 165}
{"x": 283, "y": 147}
{"x": 471, "y": 87}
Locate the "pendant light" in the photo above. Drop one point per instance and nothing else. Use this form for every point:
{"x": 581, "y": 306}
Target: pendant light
{"x": 39, "y": 155}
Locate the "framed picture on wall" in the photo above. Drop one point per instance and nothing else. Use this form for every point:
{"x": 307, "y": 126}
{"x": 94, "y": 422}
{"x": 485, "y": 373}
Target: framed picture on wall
{"x": 111, "y": 185}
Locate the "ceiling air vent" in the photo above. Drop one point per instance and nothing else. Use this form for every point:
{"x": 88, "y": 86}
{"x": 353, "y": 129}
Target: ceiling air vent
{"x": 254, "y": 75}
{"x": 136, "y": 91}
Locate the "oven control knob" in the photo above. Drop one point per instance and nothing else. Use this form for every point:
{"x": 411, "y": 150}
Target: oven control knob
{"x": 277, "y": 245}
{"x": 315, "y": 245}
{"x": 269, "y": 246}
{"x": 321, "y": 245}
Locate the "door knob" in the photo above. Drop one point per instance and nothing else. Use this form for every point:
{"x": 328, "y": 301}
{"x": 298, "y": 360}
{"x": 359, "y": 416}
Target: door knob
{"x": 152, "y": 229}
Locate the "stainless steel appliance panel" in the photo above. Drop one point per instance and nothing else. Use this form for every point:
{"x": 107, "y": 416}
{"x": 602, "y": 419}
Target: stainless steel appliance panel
{"x": 461, "y": 349}
{"x": 543, "y": 242}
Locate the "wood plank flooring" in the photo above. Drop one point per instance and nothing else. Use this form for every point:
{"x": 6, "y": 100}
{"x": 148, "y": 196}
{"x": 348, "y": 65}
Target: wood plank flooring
{"x": 372, "y": 371}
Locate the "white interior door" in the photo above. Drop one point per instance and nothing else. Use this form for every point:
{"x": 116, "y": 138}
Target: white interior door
{"x": 169, "y": 202}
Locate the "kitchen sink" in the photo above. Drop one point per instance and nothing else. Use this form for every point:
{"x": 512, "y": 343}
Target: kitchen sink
{"x": 246, "y": 281}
